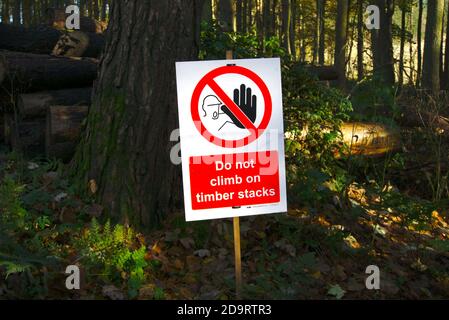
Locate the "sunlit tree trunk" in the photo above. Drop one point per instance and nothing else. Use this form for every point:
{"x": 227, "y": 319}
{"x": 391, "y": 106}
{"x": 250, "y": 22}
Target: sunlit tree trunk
{"x": 419, "y": 43}
{"x": 293, "y": 28}
{"x": 360, "y": 39}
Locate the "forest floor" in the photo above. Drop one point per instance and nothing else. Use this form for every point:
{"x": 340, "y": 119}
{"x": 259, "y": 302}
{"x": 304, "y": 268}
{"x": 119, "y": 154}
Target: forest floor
{"x": 313, "y": 252}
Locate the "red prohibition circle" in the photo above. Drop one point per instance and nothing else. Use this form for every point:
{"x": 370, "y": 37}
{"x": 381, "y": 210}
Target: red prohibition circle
{"x": 209, "y": 79}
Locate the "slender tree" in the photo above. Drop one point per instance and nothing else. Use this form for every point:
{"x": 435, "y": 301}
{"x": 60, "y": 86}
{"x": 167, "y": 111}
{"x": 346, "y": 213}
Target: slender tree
{"x": 382, "y": 44}
{"x": 445, "y": 80}
{"x": 322, "y": 36}
{"x": 206, "y": 14}
{"x": 124, "y": 155}
{"x": 5, "y": 11}
{"x": 403, "y": 6}
{"x": 286, "y": 22}
{"x": 431, "y": 65}
{"x": 419, "y": 43}
{"x": 340, "y": 40}
{"x": 293, "y": 23}
{"x": 16, "y": 12}
{"x": 226, "y": 15}
{"x": 360, "y": 39}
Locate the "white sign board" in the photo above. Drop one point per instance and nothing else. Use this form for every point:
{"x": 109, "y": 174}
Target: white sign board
{"x": 232, "y": 138}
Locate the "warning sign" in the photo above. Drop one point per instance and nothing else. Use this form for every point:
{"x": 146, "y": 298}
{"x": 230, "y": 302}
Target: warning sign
{"x": 232, "y": 147}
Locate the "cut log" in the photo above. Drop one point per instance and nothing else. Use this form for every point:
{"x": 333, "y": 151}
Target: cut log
{"x": 35, "y": 72}
{"x": 40, "y": 40}
{"x": 57, "y": 18}
{"x": 25, "y": 136}
{"x": 63, "y": 129}
{"x": 79, "y": 44}
{"x": 32, "y": 105}
{"x": 370, "y": 139}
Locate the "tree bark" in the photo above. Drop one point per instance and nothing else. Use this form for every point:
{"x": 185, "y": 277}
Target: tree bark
{"x": 340, "y": 41}
{"x": 286, "y": 21}
{"x": 239, "y": 15}
{"x": 431, "y": 65}
{"x": 207, "y": 11}
{"x": 419, "y": 45}
{"x": 33, "y": 105}
{"x": 226, "y": 15}
{"x": 360, "y": 39}
{"x": 125, "y": 149}
{"x": 321, "y": 47}
{"x": 402, "y": 45}
{"x": 382, "y": 44}
{"x": 34, "y": 72}
{"x": 5, "y": 11}
{"x": 445, "y": 80}
{"x": 293, "y": 23}
{"x": 33, "y": 40}
{"x": 16, "y": 12}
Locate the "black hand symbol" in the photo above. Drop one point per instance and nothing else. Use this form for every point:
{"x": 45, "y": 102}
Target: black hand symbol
{"x": 246, "y": 101}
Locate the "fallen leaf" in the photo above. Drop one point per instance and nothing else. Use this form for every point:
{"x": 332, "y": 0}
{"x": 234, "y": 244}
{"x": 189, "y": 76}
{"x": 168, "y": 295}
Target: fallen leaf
{"x": 336, "y": 291}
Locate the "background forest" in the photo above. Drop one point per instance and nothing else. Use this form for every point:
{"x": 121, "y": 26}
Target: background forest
{"x": 366, "y": 116}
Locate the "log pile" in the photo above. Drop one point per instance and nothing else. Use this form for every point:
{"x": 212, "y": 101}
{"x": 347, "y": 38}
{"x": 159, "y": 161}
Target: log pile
{"x": 46, "y": 79}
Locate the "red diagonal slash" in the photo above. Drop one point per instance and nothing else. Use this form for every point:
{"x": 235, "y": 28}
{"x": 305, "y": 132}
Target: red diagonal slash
{"x": 238, "y": 113}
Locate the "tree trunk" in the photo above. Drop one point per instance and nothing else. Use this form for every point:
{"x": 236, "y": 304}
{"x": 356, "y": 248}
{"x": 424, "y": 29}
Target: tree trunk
{"x": 321, "y": 49}
{"x": 5, "y": 11}
{"x": 206, "y": 14}
{"x": 382, "y": 45}
{"x": 293, "y": 28}
{"x": 266, "y": 19}
{"x": 402, "y": 45}
{"x": 33, "y": 40}
{"x": 239, "y": 15}
{"x": 33, "y": 105}
{"x": 125, "y": 149}
{"x": 79, "y": 44}
{"x": 286, "y": 21}
{"x": 26, "y": 13}
{"x": 34, "y": 72}
{"x": 445, "y": 79}
{"x": 360, "y": 39}
{"x": 340, "y": 41}
{"x": 419, "y": 40}
{"x": 103, "y": 13}
{"x": 16, "y": 12}
{"x": 431, "y": 65}
{"x": 226, "y": 15}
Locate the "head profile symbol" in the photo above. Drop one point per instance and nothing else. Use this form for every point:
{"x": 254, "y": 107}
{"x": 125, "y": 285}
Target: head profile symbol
{"x": 211, "y": 106}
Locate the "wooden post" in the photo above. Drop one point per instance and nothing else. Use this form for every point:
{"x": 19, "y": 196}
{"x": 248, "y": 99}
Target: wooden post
{"x": 236, "y": 223}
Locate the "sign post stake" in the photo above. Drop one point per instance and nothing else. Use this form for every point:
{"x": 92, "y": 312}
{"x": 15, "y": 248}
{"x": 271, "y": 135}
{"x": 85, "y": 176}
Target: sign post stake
{"x": 236, "y": 224}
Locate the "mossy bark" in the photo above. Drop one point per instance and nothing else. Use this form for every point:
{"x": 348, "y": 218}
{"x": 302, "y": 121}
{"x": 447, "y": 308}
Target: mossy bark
{"x": 125, "y": 149}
